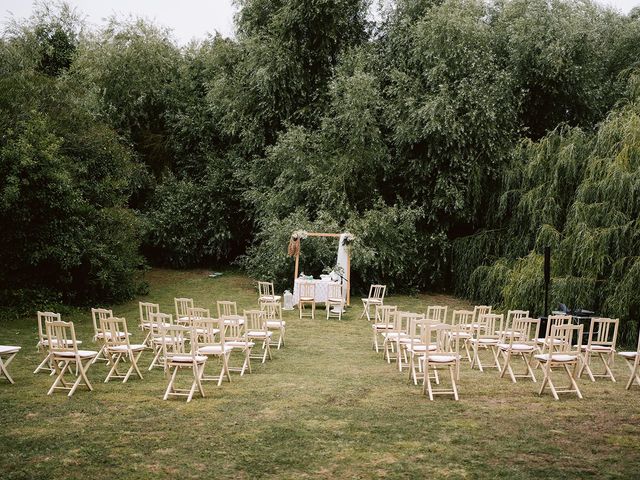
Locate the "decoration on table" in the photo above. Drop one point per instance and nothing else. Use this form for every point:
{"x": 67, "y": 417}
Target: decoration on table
{"x": 347, "y": 239}
{"x": 334, "y": 273}
{"x": 288, "y": 300}
{"x": 294, "y": 242}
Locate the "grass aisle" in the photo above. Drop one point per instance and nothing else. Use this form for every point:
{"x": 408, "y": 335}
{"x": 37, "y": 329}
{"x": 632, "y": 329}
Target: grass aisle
{"x": 327, "y": 406}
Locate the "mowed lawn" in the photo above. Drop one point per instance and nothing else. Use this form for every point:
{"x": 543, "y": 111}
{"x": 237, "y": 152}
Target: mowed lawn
{"x": 326, "y": 406}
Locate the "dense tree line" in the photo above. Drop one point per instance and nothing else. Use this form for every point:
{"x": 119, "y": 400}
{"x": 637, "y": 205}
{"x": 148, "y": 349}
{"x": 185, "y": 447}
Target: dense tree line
{"x": 120, "y": 148}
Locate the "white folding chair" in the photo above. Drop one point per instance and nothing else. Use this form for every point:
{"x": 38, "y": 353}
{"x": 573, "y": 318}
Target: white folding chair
{"x": 485, "y": 338}
{"x": 43, "y": 340}
{"x": 376, "y": 297}
{"x": 97, "y": 314}
{"x": 383, "y": 323}
{"x": 178, "y": 357}
{"x": 266, "y": 293}
{"x": 334, "y": 299}
{"x": 633, "y": 361}
{"x": 236, "y": 337}
{"x": 212, "y": 343}
{"x": 445, "y": 355}
{"x": 147, "y": 310}
{"x": 182, "y": 309}
{"x": 257, "y": 331}
{"x": 603, "y": 334}
{"x": 437, "y": 314}
{"x": 519, "y": 341}
{"x": 307, "y": 297}
{"x": 560, "y": 353}
{"x": 275, "y": 323}
{"x": 157, "y": 323}
{"x": 7, "y": 354}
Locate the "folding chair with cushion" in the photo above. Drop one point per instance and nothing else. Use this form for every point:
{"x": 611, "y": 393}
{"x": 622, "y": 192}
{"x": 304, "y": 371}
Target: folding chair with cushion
{"x": 633, "y": 361}
{"x": 307, "y": 297}
{"x": 334, "y": 299}
{"x": 196, "y": 313}
{"x": 445, "y": 355}
{"x": 400, "y": 328}
{"x": 43, "y": 340}
{"x": 158, "y": 322}
{"x": 485, "y": 338}
{"x": 211, "y": 343}
{"x": 511, "y": 316}
{"x": 519, "y": 341}
{"x": 228, "y": 311}
{"x": 97, "y": 314}
{"x": 376, "y": 297}
{"x": 479, "y": 310}
{"x": 383, "y": 322}
{"x": 236, "y": 337}
{"x": 417, "y": 344}
{"x": 182, "y": 309}
{"x": 603, "y": 334}
{"x": 147, "y": 310}
{"x": 266, "y": 293}
{"x": 275, "y": 323}
{"x": 560, "y": 353}
{"x": 462, "y": 320}
{"x": 63, "y": 350}
{"x": 552, "y": 321}
{"x": 437, "y": 314}
{"x": 178, "y": 357}
{"x": 257, "y": 331}
{"x": 118, "y": 348}
{"x": 402, "y": 343}
{"x": 7, "y": 353}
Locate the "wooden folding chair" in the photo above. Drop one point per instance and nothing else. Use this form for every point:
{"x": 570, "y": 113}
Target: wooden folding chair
{"x": 334, "y": 299}
{"x": 257, "y": 331}
{"x": 485, "y": 338}
{"x": 236, "y": 337}
{"x": 275, "y": 323}
{"x": 461, "y": 323}
{"x": 552, "y": 321}
{"x": 63, "y": 350}
{"x": 157, "y": 323}
{"x": 307, "y": 297}
{"x": 97, "y": 314}
{"x": 509, "y": 319}
{"x": 182, "y": 309}
{"x": 478, "y": 311}
{"x": 436, "y": 314}
{"x": 266, "y": 293}
{"x": 445, "y": 355}
{"x": 178, "y": 357}
{"x": 519, "y": 340}
{"x": 633, "y": 361}
{"x": 560, "y": 353}
{"x": 603, "y": 334}
{"x": 117, "y": 348}
{"x": 211, "y": 343}
{"x": 43, "y": 340}
{"x": 411, "y": 339}
{"x": 376, "y": 297}
{"x": 7, "y": 354}
{"x": 228, "y": 311}
{"x": 147, "y": 310}
{"x": 391, "y": 337}
{"x": 417, "y": 344}
{"x": 383, "y": 322}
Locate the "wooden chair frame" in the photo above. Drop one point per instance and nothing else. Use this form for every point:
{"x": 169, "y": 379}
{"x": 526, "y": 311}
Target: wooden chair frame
{"x": 560, "y": 353}
{"x": 211, "y": 343}
{"x": 334, "y": 299}
{"x": 517, "y": 341}
{"x": 307, "y": 297}
{"x": 257, "y": 331}
{"x": 445, "y": 355}
{"x": 147, "y": 310}
{"x": 236, "y": 337}
{"x": 177, "y": 357}
{"x": 158, "y": 322}
{"x": 376, "y": 297}
{"x": 266, "y": 293}
{"x": 633, "y": 362}
{"x": 182, "y": 306}
{"x": 43, "y": 340}
{"x": 275, "y": 323}
{"x": 484, "y": 337}
{"x": 7, "y": 354}
{"x": 603, "y": 335}
{"x": 462, "y": 322}
{"x": 437, "y": 314}
{"x": 383, "y": 322}
{"x": 118, "y": 348}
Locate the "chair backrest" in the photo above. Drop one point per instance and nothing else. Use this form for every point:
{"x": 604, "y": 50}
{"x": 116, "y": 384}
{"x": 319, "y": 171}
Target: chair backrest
{"x": 377, "y": 292}
{"x": 157, "y": 320}
{"x": 255, "y": 320}
{"x": 182, "y": 307}
{"x": 272, "y": 310}
{"x": 603, "y": 332}
{"x": 334, "y": 291}
{"x": 416, "y": 324}
{"x": 43, "y": 319}
{"x": 97, "y": 314}
{"x": 384, "y": 315}
{"x": 513, "y": 315}
{"x": 436, "y": 334}
{"x": 114, "y": 327}
{"x": 555, "y": 321}
{"x": 523, "y": 330}
{"x": 462, "y": 318}
{"x": 147, "y": 310}
{"x": 561, "y": 339}
{"x": 196, "y": 313}
{"x": 226, "y": 308}
{"x": 480, "y": 310}
{"x": 437, "y": 313}
{"x": 488, "y": 323}
{"x": 265, "y": 289}
{"x": 210, "y": 331}
{"x": 61, "y": 336}
{"x": 235, "y": 328}
{"x": 174, "y": 340}
{"x": 307, "y": 289}
{"x": 401, "y": 321}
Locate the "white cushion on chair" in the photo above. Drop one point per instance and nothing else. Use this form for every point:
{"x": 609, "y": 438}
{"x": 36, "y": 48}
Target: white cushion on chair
{"x": 598, "y": 348}
{"x": 372, "y": 300}
{"x": 81, "y": 354}
{"x": 628, "y": 354}
{"x": 275, "y": 323}
{"x": 9, "y": 349}
{"x": 155, "y": 325}
{"x": 422, "y": 348}
{"x": 235, "y": 343}
{"x": 556, "y": 341}
{"x": 123, "y": 348}
{"x": 556, "y": 357}
{"x": 443, "y": 358}
{"x": 259, "y": 334}
{"x": 306, "y": 299}
{"x": 214, "y": 349}
{"x": 269, "y": 298}
{"x": 518, "y": 347}
{"x": 45, "y": 343}
{"x": 108, "y": 335}
{"x": 187, "y": 359}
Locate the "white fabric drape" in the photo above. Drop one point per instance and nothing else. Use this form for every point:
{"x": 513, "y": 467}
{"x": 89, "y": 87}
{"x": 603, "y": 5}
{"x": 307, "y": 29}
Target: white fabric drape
{"x": 342, "y": 261}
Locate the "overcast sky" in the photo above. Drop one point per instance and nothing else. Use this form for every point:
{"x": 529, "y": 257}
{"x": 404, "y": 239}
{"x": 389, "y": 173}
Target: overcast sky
{"x": 187, "y": 18}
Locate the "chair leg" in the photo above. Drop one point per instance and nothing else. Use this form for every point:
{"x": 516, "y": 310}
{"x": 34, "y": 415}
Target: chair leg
{"x": 46, "y": 361}
{"x": 4, "y": 367}
{"x": 171, "y": 382}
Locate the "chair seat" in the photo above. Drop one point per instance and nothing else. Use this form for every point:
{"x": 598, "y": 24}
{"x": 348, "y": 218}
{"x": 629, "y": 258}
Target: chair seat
{"x": 187, "y": 359}
{"x": 556, "y": 357}
{"x": 382, "y": 326}
{"x": 335, "y": 300}
{"x": 234, "y": 321}
{"x": 275, "y": 323}
{"x": 237, "y": 343}
{"x": 123, "y": 348}
{"x": 422, "y": 348}
{"x": 204, "y": 331}
{"x": 167, "y": 340}
{"x": 9, "y": 349}
{"x": 307, "y": 299}
{"x": 443, "y": 358}
{"x": 270, "y": 298}
{"x": 108, "y": 334}
{"x": 372, "y": 301}
{"x": 81, "y": 354}
{"x": 518, "y": 347}
{"x": 259, "y": 334}
{"x": 597, "y": 348}
{"x": 542, "y": 341}
{"x": 214, "y": 349}
{"x": 485, "y": 341}
{"x": 155, "y": 325}
{"x": 460, "y": 334}
{"x": 628, "y": 354}
{"x": 394, "y": 335}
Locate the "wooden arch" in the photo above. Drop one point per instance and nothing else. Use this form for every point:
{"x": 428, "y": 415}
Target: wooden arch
{"x": 347, "y": 273}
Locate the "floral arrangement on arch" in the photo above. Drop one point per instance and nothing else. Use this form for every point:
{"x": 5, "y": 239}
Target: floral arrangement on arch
{"x": 348, "y": 239}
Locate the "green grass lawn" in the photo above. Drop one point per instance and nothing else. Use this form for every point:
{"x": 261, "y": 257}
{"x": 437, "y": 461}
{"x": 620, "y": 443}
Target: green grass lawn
{"x": 327, "y": 406}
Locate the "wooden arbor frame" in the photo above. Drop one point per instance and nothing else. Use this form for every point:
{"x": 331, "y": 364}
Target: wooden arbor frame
{"x": 347, "y": 273}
